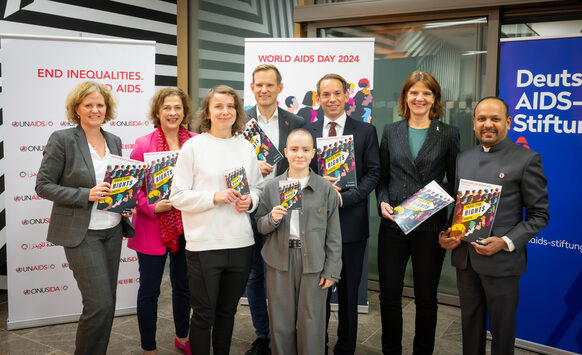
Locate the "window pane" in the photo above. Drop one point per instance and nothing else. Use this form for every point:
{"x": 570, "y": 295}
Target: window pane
{"x": 454, "y": 53}
{"x": 546, "y": 29}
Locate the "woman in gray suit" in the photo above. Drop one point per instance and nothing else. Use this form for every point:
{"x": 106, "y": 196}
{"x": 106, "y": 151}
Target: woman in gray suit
{"x": 413, "y": 152}
{"x": 74, "y": 160}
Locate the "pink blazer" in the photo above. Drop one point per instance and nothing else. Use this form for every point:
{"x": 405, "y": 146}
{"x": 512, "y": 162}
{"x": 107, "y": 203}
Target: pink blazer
{"x": 147, "y": 238}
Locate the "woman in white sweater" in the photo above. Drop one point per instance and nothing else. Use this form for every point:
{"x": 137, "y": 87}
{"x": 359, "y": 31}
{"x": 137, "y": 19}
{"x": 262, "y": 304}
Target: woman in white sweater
{"x": 217, "y": 227}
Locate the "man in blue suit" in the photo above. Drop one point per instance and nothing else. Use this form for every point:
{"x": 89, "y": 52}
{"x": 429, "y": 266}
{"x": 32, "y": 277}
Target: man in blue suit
{"x": 332, "y": 95}
{"x": 276, "y": 123}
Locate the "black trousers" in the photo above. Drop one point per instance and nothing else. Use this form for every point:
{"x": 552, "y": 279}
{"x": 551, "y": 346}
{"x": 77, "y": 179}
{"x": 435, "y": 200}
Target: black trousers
{"x": 347, "y": 294}
{"x": 480, "y": 295}
{"x": 217, "y": 280}
{"x": 394, "y": 250}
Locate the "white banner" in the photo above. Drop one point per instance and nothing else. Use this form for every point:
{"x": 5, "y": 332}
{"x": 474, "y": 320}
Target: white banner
{"x": 303, "y": 61}
{"x": 37, "y": 74}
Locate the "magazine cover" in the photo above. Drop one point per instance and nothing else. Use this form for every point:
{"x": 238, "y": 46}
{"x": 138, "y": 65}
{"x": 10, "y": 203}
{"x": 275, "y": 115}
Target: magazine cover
{"x": 125, "y": 176}
{"x": 290, "y": 194}
{"x": 336, "y": 158}
{"x": 475, "y": 210}
{"x": 237, "y": 179}
{"x": 160, "y": 174}
{"x": 418, "y": 207}
{"x": 264, "y": 148}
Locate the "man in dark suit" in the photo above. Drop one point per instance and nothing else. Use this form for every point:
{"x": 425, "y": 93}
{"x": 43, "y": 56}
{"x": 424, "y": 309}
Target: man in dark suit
{"x": 332, "y": 95}
{"x": 488, "y": 272}
{"x": 276, "y": 123}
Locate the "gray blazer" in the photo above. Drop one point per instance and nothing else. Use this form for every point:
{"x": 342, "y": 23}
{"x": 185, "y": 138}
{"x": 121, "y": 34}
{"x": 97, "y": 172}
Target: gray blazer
{"x": 523, "y": 206}
{"x": 321, "y": 240}
{"x": 66, "y": 176}
{"x": 287, "y": 122}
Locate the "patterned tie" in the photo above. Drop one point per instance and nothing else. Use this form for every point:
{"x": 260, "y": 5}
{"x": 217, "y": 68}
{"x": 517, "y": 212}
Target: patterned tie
{"x": 332, "y": 132}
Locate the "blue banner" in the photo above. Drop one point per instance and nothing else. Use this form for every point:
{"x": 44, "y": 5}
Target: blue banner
{"x": 541, "y": 80}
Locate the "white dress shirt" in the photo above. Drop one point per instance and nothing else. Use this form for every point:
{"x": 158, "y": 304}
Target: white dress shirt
{"x": 101, "y": 219}
{"x": 339, "y": 128}
{"x": 339, "y": 131}
{"x": 294, "y": 228}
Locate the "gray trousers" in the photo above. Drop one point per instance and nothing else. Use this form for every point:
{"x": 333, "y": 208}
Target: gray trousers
{"x": 296, "y": 309}
{"x": 95, "y": 264}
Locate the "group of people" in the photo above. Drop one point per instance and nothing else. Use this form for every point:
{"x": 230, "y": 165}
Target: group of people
{"x": 222, "y": 243}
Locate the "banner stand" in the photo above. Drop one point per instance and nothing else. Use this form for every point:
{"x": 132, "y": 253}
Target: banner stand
{"x": 540, "y": 78}
{"x": 37, "y": 74}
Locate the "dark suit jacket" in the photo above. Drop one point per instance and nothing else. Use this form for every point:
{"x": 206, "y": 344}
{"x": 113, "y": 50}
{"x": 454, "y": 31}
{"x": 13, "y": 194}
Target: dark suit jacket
{"x": 523, "y": 206}
{"x": 354, "y": 212}
{"x": 287, "y": 123}
{"x": 402, "y": 175}
{"x": 66, "y": 176}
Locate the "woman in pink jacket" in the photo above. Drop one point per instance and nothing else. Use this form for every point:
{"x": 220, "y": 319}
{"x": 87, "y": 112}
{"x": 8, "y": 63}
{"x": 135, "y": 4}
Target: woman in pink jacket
{"x": 158, "y": 226}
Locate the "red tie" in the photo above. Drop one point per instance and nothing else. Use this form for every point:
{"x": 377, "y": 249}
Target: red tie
{"x": 332, "y": 132}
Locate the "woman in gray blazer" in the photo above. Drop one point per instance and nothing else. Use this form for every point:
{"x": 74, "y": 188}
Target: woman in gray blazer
{"x": 413, "y": 152}
{"x": 74, "y": 160}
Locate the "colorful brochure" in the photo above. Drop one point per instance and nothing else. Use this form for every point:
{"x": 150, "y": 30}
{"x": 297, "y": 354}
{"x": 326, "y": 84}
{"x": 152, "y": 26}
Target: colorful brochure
{"x": 125, "y": 176}
{"x": 237, "y": 179}
{"x": 264, "y": 148}
{"x": 420, "y": 206}
{"x": 290, "y": 194}
{"x": 475, "y": 210}
{"x": 161, "y": 171}
{"x": 336, "y": 158}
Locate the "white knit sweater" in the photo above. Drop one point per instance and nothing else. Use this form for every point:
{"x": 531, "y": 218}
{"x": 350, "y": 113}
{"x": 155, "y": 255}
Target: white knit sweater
{"x": 199, "y": 173}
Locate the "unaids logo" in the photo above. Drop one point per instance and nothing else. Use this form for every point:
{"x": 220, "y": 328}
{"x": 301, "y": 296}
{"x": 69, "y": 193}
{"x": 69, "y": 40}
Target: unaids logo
{"x": 43, "y": 267}
{"x": 33, "y": 221}
{"x": 67, "y": 124}
{"x": 48, "y": 289}
{"x": 23, "y": 174}
{"x": 144, "y": 123}
{"x": 20, "y": 198}
{"x": 32, "y": 148}
{"x": 32, "y": 123}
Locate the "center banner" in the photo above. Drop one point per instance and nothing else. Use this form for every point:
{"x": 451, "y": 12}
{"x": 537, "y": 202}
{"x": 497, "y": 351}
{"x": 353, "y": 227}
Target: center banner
{"x": 302, "y": 62}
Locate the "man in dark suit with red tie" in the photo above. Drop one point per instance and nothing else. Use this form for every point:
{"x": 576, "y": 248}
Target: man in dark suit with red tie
{"x": 332, "y": 96}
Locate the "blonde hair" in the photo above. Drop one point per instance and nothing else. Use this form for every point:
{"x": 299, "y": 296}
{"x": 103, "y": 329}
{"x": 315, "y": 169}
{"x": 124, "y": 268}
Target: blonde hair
{"x": 265, "y": 67}
{"x": 80, "y": 92}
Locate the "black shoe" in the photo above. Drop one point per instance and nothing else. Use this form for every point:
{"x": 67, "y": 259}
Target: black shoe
{"x": 259, "y": 347}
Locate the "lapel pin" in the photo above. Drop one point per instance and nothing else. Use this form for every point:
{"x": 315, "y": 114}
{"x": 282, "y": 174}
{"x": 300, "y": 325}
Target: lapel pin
{"x": 501, "y": 175}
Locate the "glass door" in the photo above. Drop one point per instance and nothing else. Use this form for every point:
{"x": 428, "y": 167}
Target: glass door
{"x": 454, "y": 53}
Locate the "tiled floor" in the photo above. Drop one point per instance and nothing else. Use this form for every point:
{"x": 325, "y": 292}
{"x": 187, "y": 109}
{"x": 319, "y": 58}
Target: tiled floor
{"x": 60, "y": 339}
